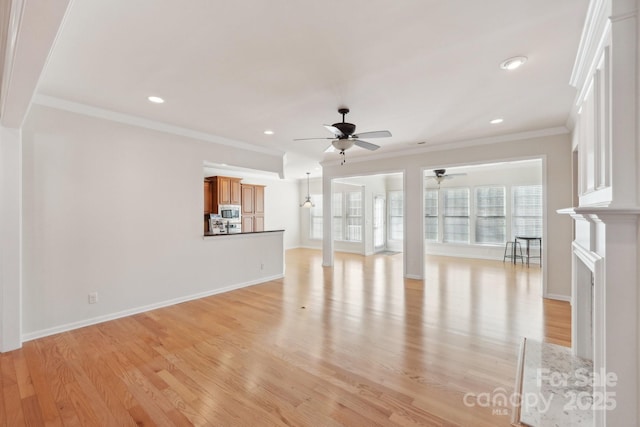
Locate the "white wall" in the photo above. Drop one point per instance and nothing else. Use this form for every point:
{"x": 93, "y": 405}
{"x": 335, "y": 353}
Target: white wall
{"x": 555, "y": 150}
{"x": 117, "y": 209}
{"x": 10, "y": 237}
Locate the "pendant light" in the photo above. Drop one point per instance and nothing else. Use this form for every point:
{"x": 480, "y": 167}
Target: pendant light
{"x": 308, "y": 203}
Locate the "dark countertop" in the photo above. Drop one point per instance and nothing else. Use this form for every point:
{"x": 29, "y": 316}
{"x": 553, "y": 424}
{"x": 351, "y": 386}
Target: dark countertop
{"x": 239, "y": 234}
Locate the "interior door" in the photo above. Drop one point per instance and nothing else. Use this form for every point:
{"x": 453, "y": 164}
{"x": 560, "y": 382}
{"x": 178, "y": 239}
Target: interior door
{"x": 379, "y": 221}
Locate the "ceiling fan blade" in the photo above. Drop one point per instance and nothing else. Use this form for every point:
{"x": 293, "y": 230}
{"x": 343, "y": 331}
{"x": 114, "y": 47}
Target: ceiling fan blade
{"x": 334, "y": 130}
{"x": 374, "y": 134}
{"x": 456, "y": 174}
{"x": 307, "y": 139}
{"x": 366, "y": 145}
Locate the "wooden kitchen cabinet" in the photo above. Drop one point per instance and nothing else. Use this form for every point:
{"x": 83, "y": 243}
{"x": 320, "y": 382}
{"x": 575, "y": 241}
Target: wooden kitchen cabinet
{"x": 220, "y": 190}
{"x": 247, "y": 224}
{"x": 223, "y": 185}
{"x": 252, "y": 208}
{"x": 258, "y": 223}
{"x": 259, "y": 199}
{"x": 208, "y": 198}
{"x": 247, "y": 199}
{"x": 234, "y": 191}
{"x": 225, "y": 191}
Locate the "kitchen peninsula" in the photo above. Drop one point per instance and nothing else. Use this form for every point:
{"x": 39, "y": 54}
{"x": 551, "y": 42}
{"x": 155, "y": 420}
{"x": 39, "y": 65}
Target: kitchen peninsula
{"x": 209, "y": 234}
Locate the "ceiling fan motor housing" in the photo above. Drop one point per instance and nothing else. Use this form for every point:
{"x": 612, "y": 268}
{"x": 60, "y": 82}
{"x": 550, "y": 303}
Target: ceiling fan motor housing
{"x": 346, "y": 128}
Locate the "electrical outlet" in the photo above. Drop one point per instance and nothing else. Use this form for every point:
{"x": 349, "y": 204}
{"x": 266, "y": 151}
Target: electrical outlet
{"x": 262, "y": 266}
{"x": 93, "y": 297}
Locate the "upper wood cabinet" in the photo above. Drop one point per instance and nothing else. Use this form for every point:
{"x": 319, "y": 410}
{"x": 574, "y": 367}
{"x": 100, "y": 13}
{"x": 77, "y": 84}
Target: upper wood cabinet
{"x": 208, "y": 199}
{"x": 225, "y": 191}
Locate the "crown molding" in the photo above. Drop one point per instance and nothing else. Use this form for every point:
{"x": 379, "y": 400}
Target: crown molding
{"x": 453, "y": 145}
{"x": 596, "y": 29}
{"x": 101, "y": 113}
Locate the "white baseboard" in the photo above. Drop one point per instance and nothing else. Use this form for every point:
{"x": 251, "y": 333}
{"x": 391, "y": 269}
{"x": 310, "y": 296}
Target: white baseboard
{"x": 558, "y": 297}
{"x": 413, "y": 276}
{"x": 310, "y": 247}
{"x": 107, "y": 317}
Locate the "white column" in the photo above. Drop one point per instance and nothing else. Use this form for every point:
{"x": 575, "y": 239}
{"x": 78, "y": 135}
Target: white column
{"x": 327, "y": 222}
{"x": 413, "y": 223}
{"x": 10, "y": 239}
{"x": 624, "y": 112}
{"x": 618, "y": 310}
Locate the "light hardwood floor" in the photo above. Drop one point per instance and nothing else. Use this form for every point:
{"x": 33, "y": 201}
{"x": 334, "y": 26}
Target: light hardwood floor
{"x": 355, "y": 345}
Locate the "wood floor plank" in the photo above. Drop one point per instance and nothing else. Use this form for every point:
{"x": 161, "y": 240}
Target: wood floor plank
{"x": 58, "y": 375}
{"x": 3, "y": 410}
{"x": 14, "y": 414}
{"x": 140, "y": 389}
{"x": 36, "y": 364}
{"x": 354, "y": 345}
{"x": 13, "y": 406}
{"x": 23, "y": 376}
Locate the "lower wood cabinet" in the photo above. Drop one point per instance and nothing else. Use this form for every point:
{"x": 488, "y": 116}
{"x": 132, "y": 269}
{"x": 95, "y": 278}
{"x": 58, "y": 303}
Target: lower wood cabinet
{"x": 258, "y": 223}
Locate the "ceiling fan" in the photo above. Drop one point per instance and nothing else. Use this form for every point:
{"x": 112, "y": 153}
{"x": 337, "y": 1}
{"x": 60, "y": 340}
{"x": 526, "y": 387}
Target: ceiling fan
{"x": 344, "y": 136}
{"x": 441, "y": 174}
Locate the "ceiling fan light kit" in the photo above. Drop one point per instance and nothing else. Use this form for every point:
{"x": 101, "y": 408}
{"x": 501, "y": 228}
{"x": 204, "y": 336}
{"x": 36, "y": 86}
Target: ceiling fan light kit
{"x": 344, "y": 136}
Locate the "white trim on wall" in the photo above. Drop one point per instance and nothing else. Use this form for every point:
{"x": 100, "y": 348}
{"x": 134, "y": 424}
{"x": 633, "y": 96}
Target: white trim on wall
{"x": 129, "y": 119}
{"x": 137, "y": 310}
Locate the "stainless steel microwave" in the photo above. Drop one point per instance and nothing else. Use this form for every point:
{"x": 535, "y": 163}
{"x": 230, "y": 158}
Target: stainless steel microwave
{"x": 230, "y": 211}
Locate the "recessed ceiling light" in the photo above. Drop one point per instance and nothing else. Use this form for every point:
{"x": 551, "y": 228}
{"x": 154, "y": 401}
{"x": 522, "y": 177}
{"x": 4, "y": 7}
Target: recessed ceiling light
{"x": 268, "y": 132}
{"x": 513, "y": 63}
{"x": 155, "y": 99}
{"x": 496, "y": 121}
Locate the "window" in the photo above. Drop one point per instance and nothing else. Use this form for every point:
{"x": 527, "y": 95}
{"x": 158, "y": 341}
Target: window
{"x": 337, "y": 216}
{"x": 315, "y": 214}
{"x": 431, "y": 215}
{"x": 354, "y": 216}
{"x": 456, "y": 215}
{"x": 526, "y": 218}
{"x": 491, "y": 223}
{"x": 346, "y": 216}
{"x": 396, "y": 215}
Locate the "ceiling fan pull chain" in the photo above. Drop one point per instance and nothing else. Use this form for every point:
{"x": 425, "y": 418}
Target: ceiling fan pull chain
{"x": 344, "y": 158}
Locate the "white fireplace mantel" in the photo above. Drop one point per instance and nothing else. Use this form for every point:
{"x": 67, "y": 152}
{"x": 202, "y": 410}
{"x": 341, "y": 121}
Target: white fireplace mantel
{"x": 605, "y": 319}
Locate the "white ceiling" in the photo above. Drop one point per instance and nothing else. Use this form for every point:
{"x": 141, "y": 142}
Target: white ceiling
{"x": 425, "y": 70}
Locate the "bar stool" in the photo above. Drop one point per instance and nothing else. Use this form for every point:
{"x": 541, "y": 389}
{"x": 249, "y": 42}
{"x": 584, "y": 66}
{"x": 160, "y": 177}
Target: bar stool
{"x": 510, "y": 251}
